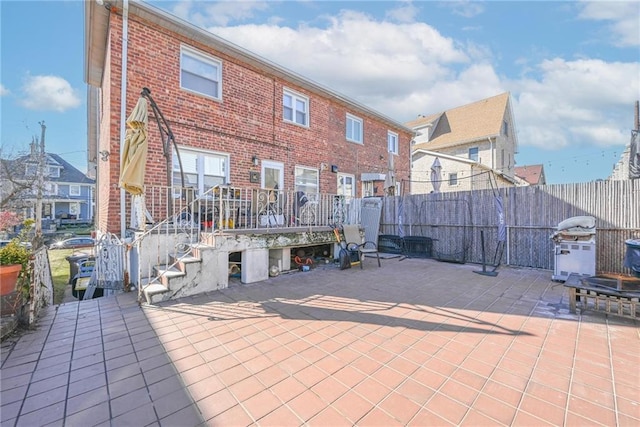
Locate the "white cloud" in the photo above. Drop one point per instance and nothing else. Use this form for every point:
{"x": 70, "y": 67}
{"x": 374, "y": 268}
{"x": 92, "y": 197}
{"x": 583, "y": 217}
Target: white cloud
{"x": 3, "y": 90}
{"x": 49, "y": 93}
{"x": 403, "y": 69}
{"x": 406, "y": 13}
{"x": 465, "y": 8}
{"x": 385, "y": 61}
{"x": 577, "y": 103}
{"x": 625, "y": 24}
{"x": 218, "y": 13}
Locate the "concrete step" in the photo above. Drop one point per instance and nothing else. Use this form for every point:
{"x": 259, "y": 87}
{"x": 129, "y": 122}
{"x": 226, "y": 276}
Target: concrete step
{"x": 153, "y": 289}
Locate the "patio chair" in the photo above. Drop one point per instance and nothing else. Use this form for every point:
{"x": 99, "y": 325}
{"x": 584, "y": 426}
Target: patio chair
{"x": 356, "y": 243}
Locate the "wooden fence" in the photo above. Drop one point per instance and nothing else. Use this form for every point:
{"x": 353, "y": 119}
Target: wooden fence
{"x": 454, "y": 221}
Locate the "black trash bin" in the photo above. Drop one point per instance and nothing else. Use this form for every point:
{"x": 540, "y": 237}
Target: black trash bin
{"x": 74, "y": 263}
{"x": 75, "y": 273}
{"x": 632, "y": 258}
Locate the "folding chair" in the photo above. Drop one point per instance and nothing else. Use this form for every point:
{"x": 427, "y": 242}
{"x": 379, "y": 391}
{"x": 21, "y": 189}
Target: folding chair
{"x": 356, "y": 243}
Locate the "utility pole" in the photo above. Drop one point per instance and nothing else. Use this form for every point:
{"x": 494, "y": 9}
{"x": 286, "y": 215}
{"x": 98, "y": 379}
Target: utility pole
{"x": 37, "y": 239}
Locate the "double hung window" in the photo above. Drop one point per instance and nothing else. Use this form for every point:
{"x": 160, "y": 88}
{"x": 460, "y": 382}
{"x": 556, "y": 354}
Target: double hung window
{"x": 307, "y": 180}
{"x": 295, "y": 108}
{"x": 202, "y": 170}
{"x": 392, "y": 142}
{"x": 473, "y": 154}
{"x": 354, "y": 129}
{"x": 200, "y": 73}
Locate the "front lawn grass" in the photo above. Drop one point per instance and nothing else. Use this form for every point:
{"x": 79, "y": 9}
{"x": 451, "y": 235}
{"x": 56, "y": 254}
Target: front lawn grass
{"x": 59, "y": 272}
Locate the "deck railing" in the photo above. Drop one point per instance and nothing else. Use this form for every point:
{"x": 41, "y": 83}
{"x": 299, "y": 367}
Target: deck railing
{"x": 234, "y": 208}
{"x": 184, "y": 215}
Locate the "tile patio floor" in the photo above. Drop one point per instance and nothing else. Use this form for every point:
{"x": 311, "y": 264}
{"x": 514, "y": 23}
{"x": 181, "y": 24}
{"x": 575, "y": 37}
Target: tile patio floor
{"x": 415, "y": 342}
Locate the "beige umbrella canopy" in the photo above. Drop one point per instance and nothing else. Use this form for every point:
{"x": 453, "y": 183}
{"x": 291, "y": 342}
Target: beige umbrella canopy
{"x": 134, "y": 156}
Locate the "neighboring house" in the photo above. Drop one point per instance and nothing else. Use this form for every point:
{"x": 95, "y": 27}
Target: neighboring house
{"x": 533, "y": 174}
{"x": 466, "y": 140}
{"x": 238, "y": 119}
{"x": 67, "y": 193}
{"x": 620, "y": 170}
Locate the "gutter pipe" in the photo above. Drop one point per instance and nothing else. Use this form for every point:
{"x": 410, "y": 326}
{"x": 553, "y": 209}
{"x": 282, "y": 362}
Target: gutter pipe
{"x": 123, "y": 106}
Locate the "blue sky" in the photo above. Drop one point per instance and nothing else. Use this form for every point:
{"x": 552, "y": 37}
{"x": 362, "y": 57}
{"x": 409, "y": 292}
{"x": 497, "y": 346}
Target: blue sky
{"x": 572, "y": 67}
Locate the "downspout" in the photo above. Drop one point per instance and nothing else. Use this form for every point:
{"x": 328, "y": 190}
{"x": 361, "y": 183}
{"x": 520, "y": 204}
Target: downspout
{"x": 492, "y": 153}
{"x": 123, "y": 106}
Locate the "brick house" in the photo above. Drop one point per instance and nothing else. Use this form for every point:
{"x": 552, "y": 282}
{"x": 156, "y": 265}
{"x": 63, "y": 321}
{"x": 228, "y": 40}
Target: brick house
{"x": 238, "y": 119}
{"x": 469, "y": 141}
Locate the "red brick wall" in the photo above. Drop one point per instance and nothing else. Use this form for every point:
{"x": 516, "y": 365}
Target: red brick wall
{"x": 247, "y": 122}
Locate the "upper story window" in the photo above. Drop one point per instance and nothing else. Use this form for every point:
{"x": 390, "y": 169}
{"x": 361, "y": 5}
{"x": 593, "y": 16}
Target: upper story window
{"x": 505, "y": 128}
{"x": 453, "y": 178}
{"x": 295, "y": 108}
{"x": 473, "y": 154}
{"x": 354, "y": 129}
{"x": 31, "y": 169}
{"x": 200, "y": 73}
{"x": 74, "y": 190}
{"x": 50, "y": 188}
{"x": 53, "y": 171}
{"x": 392, "y": 142}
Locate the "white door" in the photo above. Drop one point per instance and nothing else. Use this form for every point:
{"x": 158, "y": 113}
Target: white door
{"x": 347, "y": 186}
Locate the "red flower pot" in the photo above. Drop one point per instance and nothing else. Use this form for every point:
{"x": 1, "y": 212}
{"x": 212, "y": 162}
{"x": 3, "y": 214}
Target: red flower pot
{"x": 9, "y": 277}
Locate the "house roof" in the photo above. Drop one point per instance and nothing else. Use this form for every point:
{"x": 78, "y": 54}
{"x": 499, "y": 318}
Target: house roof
{"x": 96, "y": 31}
{"x": 472, "y": 122}
{"x": 68, "y": 174}
{"x": 530, "y": 173}
{"x": 464, "y": 161}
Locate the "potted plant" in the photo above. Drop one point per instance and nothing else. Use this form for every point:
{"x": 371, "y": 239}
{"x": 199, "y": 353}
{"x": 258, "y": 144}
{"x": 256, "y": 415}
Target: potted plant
{"x": 14, "y": 259}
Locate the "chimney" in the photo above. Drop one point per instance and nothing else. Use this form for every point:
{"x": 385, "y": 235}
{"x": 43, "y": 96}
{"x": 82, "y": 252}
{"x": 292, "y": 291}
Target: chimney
{"x": 637, "y": 116}
{"x": 42, "y": 138}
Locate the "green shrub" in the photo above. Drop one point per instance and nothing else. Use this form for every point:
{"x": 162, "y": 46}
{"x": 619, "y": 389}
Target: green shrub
{"x": 14, "y": 253}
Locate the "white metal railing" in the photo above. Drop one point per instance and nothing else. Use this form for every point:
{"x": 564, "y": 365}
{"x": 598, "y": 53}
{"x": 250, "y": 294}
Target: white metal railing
{"x": 228, "y": 208}
{"x": 223, "y": 209}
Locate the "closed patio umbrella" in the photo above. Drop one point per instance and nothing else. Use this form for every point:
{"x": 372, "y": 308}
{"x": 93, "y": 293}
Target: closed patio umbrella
{"x": 134, "y": 157}
{"x": 435, "y": 175}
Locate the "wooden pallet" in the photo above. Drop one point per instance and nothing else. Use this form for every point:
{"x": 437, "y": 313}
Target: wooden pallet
{"x": 610, "y": 300}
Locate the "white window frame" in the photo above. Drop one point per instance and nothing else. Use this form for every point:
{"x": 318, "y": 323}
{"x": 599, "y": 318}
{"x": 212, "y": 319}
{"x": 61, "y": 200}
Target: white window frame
{"x": 30, "y": 169}
{"x": 205, "y": 60}
{"x": 74, "y": 190}
{"x": 392, "y": 142}
{"x": 295, "y": 99}
{"x": 200, "y": 169}
{"x": 477, "y": 154}
{"x": 453, "y": 179}
{"x": 342, "y": 190}
{"x": 50, "y": 189}
{"x": 352, "y": 136}
{"x": 53, "y": 171}
{"x": 309, "y": 188}
{"x": 368, "y": 189}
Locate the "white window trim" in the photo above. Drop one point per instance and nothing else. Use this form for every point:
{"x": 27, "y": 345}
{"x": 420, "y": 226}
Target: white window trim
{"x": 207, "y": 59}
{"x": 393, "y": 135}
{"x": 355, "y": 119}
{"x": 477, "y": 154}
{"x": 200, "y": 151}
{"x": 348, "y": 197}
{"x": 53, "y": 171}
{"x": 457, "y": 179}
{"x": 296, "y": 97}
{"x": 50, "y": 189}
{"x": 74, "y": 193}
{"x": 317, "y": 172}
